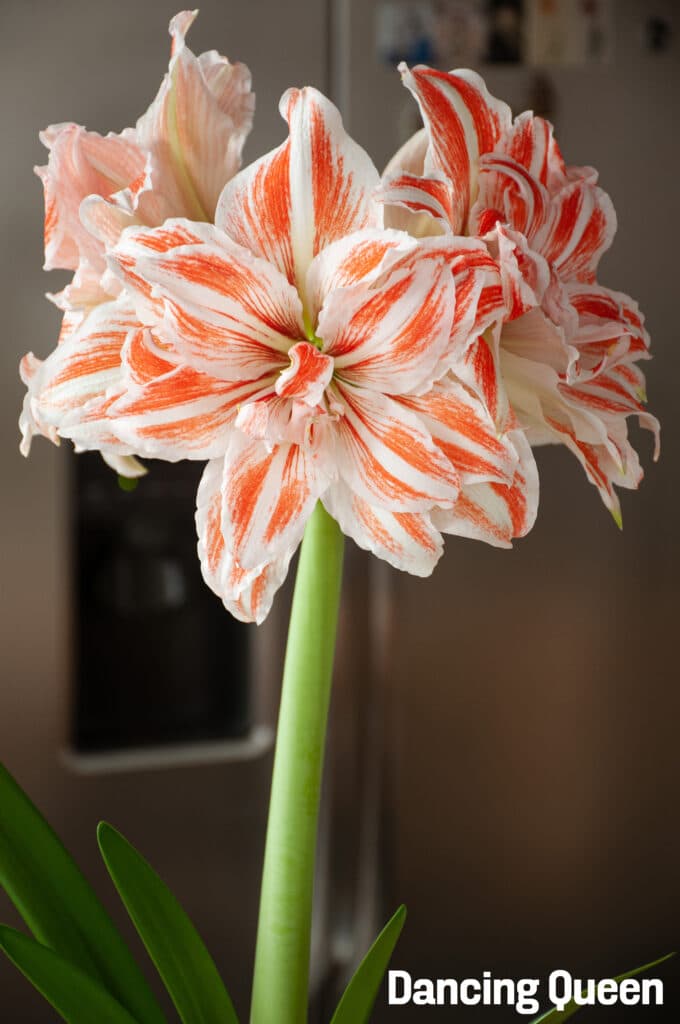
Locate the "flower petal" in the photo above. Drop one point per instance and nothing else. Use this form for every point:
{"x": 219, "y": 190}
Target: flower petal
{"x": 391, "y": 337}
{"x": 80, "y": 163}
{"x": 463, "y": 121}
{"x": 496, "y": 513}
{"x": 308, "y": 375}
{"x": 70, "y": 392}
{"x": 194, "y": 130}
{"x": 360, "y": 258}
{"x": 386, "y": 456}
{"x": 571, "y": 228}
{"x": 171, "y": 411}
{"x": 465, "y": 432}
{"x": 406, "y": 540}
{"x": 529, "y": 141}
{"x": 315, "y": 188}
{"x": 268, "y": 495}
{"x": 247, "y": 594}
{"x": 430, "y": 195}
{"x": 580, "y": 229}
{"x": 223, "y": 310}
{"x": 125, "y": 465}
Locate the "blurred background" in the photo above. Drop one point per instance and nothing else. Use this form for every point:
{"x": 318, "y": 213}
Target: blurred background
{"x": 503, "y": 754}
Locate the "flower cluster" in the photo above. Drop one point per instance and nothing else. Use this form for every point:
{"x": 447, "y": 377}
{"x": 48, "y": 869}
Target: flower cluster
{"x": 390, "y": 347}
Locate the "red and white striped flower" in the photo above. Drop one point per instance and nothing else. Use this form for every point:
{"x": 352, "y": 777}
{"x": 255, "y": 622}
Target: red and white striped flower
{"x": 309, "y": 354}
{"x": 568, "y": 350}
{"x": 175, "y": 162}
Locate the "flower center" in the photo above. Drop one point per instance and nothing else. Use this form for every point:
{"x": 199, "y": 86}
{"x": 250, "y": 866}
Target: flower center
{"x": 309, "y": 374}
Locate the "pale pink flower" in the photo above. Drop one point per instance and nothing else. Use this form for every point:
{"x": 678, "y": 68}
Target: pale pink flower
{"x": 175, "y": 162}
{"x": 568, "y": 350}
{"x": 309, "y": 354}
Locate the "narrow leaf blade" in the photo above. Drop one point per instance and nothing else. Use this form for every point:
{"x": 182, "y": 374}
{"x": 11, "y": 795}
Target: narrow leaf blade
{"x": 181, "y": 958}
{"x": 556, "y": 1016}
{"x": 360, "y": 995}
{"x": 75, "y": 996}
{"x": 61, "y": 910}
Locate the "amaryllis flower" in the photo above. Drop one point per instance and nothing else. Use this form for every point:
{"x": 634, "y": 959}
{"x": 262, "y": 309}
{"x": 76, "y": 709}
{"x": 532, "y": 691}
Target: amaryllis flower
{"x": 568, "y": 350}
{"x": 309, "y": 355}
{"x": 175, "y": 162}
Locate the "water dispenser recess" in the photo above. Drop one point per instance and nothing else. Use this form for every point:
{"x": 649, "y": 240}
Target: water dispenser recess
{"x": 157, "y": 659}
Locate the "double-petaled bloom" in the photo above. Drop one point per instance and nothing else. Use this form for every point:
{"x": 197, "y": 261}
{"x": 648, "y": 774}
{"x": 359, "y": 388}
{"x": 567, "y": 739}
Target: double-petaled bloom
{"x": 310, "y": 354}
{"x": 314, "y": 334}
{"x": 174, "y": 163}
{"x": 566, "y": 352}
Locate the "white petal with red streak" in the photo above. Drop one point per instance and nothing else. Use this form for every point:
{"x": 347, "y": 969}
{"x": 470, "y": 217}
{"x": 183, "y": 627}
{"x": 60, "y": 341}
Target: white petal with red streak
{"x": 463, "y": 121}
{"x": 225, "y": 311}
{"x": 496, "y": 513}
{"x": 431, "y": 195}
{"x": 315, "y": 188}
{"x": 268, "y": 495}
{"x": 580, "y": 227}
{"x": 463, "y": 429}
{"x": 69, "y": 393}
{"x": 385, "y": 454}
{"x": 174, "y": 412}
{"x": 406, "y": 540}
{"x": 359, "y": 258}
{"x": 247, "y": 594}
{"x": 391, "y": 337}
{"x": 531, "y": 143}
{"x": 308, "y": 375}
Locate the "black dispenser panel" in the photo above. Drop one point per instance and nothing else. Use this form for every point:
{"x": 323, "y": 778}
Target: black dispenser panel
{"x": 158, "y": 660}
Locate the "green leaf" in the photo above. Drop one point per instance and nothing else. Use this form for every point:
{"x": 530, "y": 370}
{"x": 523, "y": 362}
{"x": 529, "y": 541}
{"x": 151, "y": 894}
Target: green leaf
{"x": 556, "y": 1016}
{"x": 183, "y": 962}
{"x": 57, "y": 904}
{"x": 76, "y": 997}
{"x": 360, "y": 995}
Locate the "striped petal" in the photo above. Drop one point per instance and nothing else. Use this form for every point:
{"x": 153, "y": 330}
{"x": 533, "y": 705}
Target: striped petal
{"x": 391, "y": 337}
{"x": 69, "y": 394}
{"x": 571, "y": 228}
{"x": 400, "y": 212}
{"x": 590, "y": 419}
{"x": 463, "y": 121}
{"x": 308, "y": 375}
{"x": 481, "y": 372}
{"x": 194, "y": 130}
{"x": 246, "y": 594}
{"x": 428, "y": 195}
{"x": 463, "y": 429}
{"x": 315, "y": 188}
{"x": 529, "y": 141}
{"x": 610, "y": 326}
{"x": 171, "y": 411}
{"x": 581, "y": 227}
{"x": 80, "y": 164}
{"x": 496, "y": 513}
{"x": 406, "y": 540}
{"x": 268, "y": 493}
{"x": 360, "y": 258}
{"x": 222, "y": 310}
{"x": 386, "y": 455}
{"x": 525, "y": 274}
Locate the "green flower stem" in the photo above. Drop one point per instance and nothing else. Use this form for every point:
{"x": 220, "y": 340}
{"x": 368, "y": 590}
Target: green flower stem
{"x": 281, "y": 979}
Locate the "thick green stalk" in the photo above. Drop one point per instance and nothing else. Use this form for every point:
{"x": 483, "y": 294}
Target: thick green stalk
{"x": 280, "y": 984}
